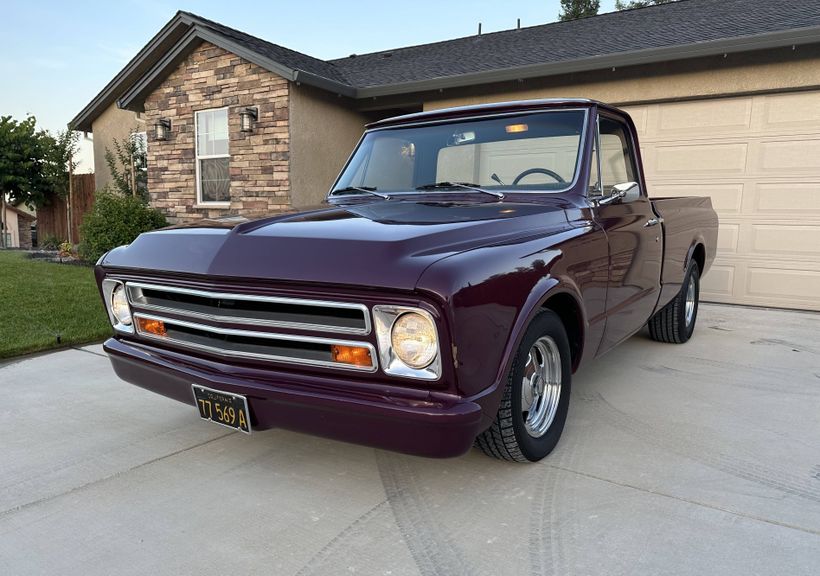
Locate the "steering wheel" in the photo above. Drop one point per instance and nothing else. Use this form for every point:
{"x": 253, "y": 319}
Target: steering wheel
{"x": 545, "y": 171}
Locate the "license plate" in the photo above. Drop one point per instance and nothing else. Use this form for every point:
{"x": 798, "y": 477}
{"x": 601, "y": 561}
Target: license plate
{"x": 227, "y": 409}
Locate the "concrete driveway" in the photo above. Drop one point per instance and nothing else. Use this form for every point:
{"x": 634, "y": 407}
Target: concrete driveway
{"x": 694, "y": 459}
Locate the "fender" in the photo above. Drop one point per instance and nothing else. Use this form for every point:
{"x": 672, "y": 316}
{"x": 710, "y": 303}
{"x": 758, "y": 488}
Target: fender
{"x": 698, "y": 240}
{"x": 550, "y": 287}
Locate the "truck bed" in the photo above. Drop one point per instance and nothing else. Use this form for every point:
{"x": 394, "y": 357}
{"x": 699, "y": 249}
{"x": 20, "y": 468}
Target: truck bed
{"x": 687, "y": 221}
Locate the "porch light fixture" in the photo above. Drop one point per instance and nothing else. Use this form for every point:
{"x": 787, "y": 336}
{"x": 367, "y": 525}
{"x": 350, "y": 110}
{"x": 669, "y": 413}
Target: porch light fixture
{"x": 162, "y": 128}
{"x": 247, "y": 118}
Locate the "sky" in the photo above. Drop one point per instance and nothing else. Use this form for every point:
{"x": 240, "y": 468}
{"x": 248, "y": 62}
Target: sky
{"x": 55, "y": 56}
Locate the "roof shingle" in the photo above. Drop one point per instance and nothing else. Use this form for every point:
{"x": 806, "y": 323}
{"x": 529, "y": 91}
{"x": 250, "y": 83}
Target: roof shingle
{"x": 666, "y": 25}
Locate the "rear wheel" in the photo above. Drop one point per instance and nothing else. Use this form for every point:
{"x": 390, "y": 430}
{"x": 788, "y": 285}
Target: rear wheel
{"x": 675, "y": 322}
{"x": 534, "y": 408}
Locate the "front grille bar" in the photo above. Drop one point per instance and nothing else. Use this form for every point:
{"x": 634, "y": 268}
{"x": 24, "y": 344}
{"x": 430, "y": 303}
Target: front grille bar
{"x": 272, "y": 311}
{"x": 283, "y": 348}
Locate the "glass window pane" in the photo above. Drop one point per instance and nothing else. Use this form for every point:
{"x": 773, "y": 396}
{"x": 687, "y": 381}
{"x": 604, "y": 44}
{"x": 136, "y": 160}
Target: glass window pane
{"x": 616, "y": 154}
{"x": 214, "y": 179}
{"x": 536, "y": 152}
{"x": 220, "y": 124}
{"x": 212, "y": 132}
{"x": 220, "y": 147}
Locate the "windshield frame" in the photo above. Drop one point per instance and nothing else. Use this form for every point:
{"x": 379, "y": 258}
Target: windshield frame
{"x": 582, "y": 144}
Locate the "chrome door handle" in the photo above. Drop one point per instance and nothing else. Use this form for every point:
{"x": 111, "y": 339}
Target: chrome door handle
{"x": 652, "y": 222}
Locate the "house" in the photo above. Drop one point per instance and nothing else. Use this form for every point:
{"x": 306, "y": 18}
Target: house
{"x": 15, "y": 225}
{"x": 725, "y": 94}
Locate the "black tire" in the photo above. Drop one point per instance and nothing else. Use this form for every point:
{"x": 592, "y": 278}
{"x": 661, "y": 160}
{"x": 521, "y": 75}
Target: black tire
{"x": 670, "y": 323}
{"x": 508, "y": 438}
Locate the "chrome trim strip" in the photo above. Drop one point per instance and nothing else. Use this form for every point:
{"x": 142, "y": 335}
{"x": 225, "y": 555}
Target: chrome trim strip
{"x": 261, "y": 335}
{"x": 252, "y": 298}
{"x": 108, "y": 286}
{"x": 385, "y": 317}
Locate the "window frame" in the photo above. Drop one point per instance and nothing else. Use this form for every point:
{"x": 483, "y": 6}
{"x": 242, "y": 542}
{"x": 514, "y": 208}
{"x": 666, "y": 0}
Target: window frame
{"x": 577, "y": 175}
{"x": 197, "y": 157}
{"x": 630, "y": 136}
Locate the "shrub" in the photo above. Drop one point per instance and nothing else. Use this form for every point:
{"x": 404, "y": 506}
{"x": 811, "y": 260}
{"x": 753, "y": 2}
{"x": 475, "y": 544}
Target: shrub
{"x": 50, "y": 243}
{"x": 65, "y": 249}
{"x": 113, "y": 221}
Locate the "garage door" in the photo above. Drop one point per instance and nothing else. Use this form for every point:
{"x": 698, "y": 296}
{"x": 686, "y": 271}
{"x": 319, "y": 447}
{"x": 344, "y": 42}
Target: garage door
{"x": 758, "y": 157}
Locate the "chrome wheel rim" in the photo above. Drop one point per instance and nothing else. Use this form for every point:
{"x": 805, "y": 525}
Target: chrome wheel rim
{"x": 690, "y": 301}
{"x": 541, "y": 386}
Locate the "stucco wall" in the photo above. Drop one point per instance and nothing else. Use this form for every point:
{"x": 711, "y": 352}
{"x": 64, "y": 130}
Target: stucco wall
{"x": 324, "y": 130}
{"x": 112, "y": 123}
{"x": 746, "y": 73}
{"x": 12, "y": 230}
{"x": 211, "y": 77}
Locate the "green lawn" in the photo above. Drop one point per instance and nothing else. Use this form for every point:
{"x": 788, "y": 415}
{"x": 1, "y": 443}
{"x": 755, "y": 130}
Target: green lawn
{"x": 45, "y": 305}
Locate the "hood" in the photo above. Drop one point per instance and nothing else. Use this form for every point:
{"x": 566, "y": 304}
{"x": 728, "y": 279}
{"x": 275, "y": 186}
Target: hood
{"x": 376, "y": 244}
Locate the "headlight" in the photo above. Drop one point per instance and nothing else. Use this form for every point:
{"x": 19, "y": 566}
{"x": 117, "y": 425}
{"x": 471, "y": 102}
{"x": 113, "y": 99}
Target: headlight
{"x": 119, "y": 305}
{"x": 414, "y": 340}
{"x": 408, "y": 342}
{"x": 116, "y": 304}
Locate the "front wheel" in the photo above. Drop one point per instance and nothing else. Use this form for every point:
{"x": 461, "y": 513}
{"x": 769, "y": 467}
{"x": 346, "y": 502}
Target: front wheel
{"x": 534, "y": 408}
{"x": 675, "y": 322}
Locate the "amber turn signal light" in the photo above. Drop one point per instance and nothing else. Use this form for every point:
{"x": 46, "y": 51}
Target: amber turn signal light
{"x": 355, "y": 355}
{"x": 149, "y": 326}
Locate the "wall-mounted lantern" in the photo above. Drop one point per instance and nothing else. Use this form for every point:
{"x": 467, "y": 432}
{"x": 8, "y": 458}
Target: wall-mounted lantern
{"x": 162, "y": 129}
{"x": 247, "y": 118}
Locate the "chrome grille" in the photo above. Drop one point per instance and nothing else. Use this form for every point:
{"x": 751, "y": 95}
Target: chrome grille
{"x": 233, "y": 325}
{"x": 312, "y": 315}
{"x": 286, "y": 348}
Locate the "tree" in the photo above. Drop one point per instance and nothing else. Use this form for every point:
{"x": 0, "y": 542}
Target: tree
{"x": 630, "y": 4}
{"x": 127, "y": 163}
{"x": 34, "y": 165}
{"x": 575, "y": 9}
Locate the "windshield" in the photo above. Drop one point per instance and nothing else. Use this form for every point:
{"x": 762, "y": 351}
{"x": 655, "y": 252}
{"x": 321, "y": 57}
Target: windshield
{"x": 524, "y": 152}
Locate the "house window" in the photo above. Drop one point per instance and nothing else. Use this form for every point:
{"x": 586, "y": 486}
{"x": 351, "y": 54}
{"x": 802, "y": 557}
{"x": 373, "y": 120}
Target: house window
{"x": 139, "y": 159}
{"x": 212, "y": 158}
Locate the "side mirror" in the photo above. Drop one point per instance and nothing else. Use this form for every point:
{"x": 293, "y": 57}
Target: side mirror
{"x": 619, "y": 191}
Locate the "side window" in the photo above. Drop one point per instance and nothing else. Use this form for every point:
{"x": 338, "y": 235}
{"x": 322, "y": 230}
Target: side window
{"x": 617, "y": 156}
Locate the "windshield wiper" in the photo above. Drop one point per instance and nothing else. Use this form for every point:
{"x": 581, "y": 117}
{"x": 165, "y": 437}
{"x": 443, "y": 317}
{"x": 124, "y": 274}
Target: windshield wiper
{"x": 365, "y": 189}
{"x": 464, "y": 185}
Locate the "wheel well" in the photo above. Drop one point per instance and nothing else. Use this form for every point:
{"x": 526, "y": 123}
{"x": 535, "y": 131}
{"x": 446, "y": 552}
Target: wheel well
{"x": 570, "y": 314}
{"x": 699, "y": 256}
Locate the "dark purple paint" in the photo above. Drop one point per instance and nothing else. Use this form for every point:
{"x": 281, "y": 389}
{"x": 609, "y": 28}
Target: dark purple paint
{"x": 482, "y": 268}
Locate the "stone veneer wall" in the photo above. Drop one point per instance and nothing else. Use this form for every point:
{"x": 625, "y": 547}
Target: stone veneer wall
{"x": 211, "y": 77}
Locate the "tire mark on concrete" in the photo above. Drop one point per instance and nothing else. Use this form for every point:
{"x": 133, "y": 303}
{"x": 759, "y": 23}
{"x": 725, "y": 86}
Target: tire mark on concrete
{"x": 551, "y": 552}
{"x": 542, "y": 541}
{"x": 733, "y": 374}
{"x": 317, "y": 563}
{"x": 747, "y": 470}
{"x": 785, "y": 343}
{"x": 430, "y": 545}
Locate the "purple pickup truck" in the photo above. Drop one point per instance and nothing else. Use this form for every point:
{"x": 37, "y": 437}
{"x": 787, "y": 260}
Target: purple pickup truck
{"x": 468, "y": 262}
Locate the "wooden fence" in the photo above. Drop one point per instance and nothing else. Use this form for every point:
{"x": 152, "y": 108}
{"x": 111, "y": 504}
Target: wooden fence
{"x": 52, "y": 220}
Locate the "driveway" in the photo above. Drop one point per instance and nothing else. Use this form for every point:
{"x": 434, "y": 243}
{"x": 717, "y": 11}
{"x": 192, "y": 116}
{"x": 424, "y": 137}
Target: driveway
{"x": 694, "y": 459}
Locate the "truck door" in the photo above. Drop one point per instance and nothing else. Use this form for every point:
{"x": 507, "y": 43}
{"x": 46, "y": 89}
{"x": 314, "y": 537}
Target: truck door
{"x": 633, "y": 232}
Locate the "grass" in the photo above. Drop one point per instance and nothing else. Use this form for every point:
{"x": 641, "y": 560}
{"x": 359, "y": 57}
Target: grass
{"x": 46, "y": 305}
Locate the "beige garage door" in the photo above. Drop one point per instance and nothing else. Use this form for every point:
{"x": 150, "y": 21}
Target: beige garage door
{"x": 758, "y": 157}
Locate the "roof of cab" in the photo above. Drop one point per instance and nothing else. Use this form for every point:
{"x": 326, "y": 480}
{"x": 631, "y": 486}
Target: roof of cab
{"x": 474, "y": 110}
